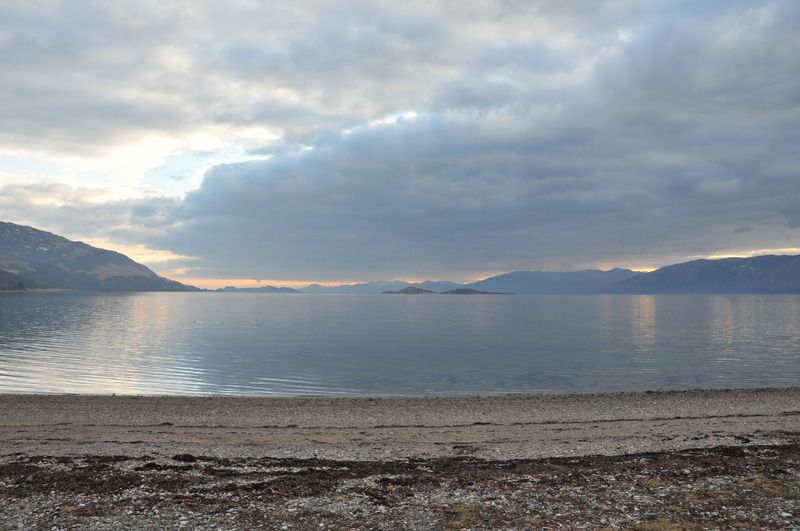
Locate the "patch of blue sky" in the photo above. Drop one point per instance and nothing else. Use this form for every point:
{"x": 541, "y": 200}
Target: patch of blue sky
{"x": 183, "y": 172}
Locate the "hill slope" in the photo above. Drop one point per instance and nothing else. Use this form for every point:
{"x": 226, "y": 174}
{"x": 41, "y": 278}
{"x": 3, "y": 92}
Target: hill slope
{"x": 45, "y": 260}
{"x": 759, "y": 274}
{"x": 9, "y": 281}
{"x": 588, "y": 281}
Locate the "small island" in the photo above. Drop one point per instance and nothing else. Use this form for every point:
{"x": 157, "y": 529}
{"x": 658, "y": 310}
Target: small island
{"x": 410, "y": 290}
{"x": 262, "y": 289}
{"x": 469, "y": 291}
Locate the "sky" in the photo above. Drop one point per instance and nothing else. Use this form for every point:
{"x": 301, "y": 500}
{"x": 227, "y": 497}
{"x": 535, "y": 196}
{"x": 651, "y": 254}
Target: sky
{"x": 246, "y": 142}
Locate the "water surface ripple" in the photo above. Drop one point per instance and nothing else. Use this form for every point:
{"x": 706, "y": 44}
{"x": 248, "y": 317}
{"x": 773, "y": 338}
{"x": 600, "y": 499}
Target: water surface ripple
{"x": 289, "y": 344}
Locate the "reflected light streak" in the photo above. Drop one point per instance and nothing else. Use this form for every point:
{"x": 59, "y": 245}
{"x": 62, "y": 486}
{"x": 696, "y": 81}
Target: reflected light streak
{"x": 721, "y": 319}
{"x": 644, "y": 321}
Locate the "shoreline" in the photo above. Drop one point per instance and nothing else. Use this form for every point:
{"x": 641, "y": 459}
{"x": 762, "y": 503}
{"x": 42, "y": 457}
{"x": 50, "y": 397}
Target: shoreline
{"x": 345, "y": 396}
{"x": 363, "y": 428}
{"x": 657, "y": 460}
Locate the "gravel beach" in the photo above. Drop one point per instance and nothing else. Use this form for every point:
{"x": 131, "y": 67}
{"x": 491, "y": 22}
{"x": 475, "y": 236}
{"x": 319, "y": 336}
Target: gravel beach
{"x": 657, "y": 460}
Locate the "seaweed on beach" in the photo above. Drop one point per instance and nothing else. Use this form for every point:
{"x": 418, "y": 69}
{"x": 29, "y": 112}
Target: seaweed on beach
{"x": 722, "y": 487}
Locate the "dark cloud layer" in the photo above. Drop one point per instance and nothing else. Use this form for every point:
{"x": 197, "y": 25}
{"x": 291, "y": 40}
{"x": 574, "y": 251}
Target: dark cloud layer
{"x": 504, "y": 137}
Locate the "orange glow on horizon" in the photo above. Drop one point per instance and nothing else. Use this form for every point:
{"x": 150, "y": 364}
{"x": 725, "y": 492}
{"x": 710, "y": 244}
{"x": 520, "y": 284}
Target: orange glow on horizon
{"x": 751, "y": 253}
{"x": 138, "y": 253}
{"x": 214, "y": 283}
{"x": 184, "y": 275}
{"x": 639, "y": 268}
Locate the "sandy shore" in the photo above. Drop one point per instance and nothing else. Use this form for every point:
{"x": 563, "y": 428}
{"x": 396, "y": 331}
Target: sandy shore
{"x": 502, "y": 427}
{"x": 634, "y": 460}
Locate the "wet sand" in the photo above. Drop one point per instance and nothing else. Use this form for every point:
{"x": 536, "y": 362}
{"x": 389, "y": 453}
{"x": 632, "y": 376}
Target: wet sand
{"x": 634, "y": 460}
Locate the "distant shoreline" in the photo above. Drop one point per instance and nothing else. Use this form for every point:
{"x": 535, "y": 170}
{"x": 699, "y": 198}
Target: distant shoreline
{"x": 300, "y": 292}
{"x": 402, "y": 396}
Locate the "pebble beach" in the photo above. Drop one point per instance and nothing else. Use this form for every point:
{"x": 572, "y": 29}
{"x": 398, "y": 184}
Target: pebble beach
{"x": 655, "y": 460}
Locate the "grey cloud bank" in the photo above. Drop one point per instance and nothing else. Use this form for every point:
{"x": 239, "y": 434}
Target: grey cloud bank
{"x": 430, "y": 141}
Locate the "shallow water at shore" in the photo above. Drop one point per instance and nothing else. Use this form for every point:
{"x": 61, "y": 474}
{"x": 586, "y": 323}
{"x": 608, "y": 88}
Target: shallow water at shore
{"x": 299, "y": 344}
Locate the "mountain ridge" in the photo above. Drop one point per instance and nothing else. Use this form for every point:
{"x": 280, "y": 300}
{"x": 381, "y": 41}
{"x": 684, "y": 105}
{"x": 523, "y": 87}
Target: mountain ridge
{"x": 33, "y": 258}
{"x": 45, "y": 260}
{"x": 548, "y": 282}
{"x": 758, "y": 274}
{"x": 584, "y": 281}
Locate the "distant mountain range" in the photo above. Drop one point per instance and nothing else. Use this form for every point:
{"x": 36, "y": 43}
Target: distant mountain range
{"x": 383, "y": 285}
{"x": 588, "y": 281}
{"x": 759, "y": 274}
{"x": 261, "y": 289}
{"x": 44, "y": 260}
{"x": 32, "y": 258}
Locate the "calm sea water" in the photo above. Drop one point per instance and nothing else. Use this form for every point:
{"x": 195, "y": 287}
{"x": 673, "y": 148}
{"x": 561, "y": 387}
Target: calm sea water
{"x": 259, "y": 344}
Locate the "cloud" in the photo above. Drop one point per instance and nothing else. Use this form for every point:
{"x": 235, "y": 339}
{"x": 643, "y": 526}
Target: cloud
{"x": 421, "y": 140}
{"x": 86, "y": 77}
